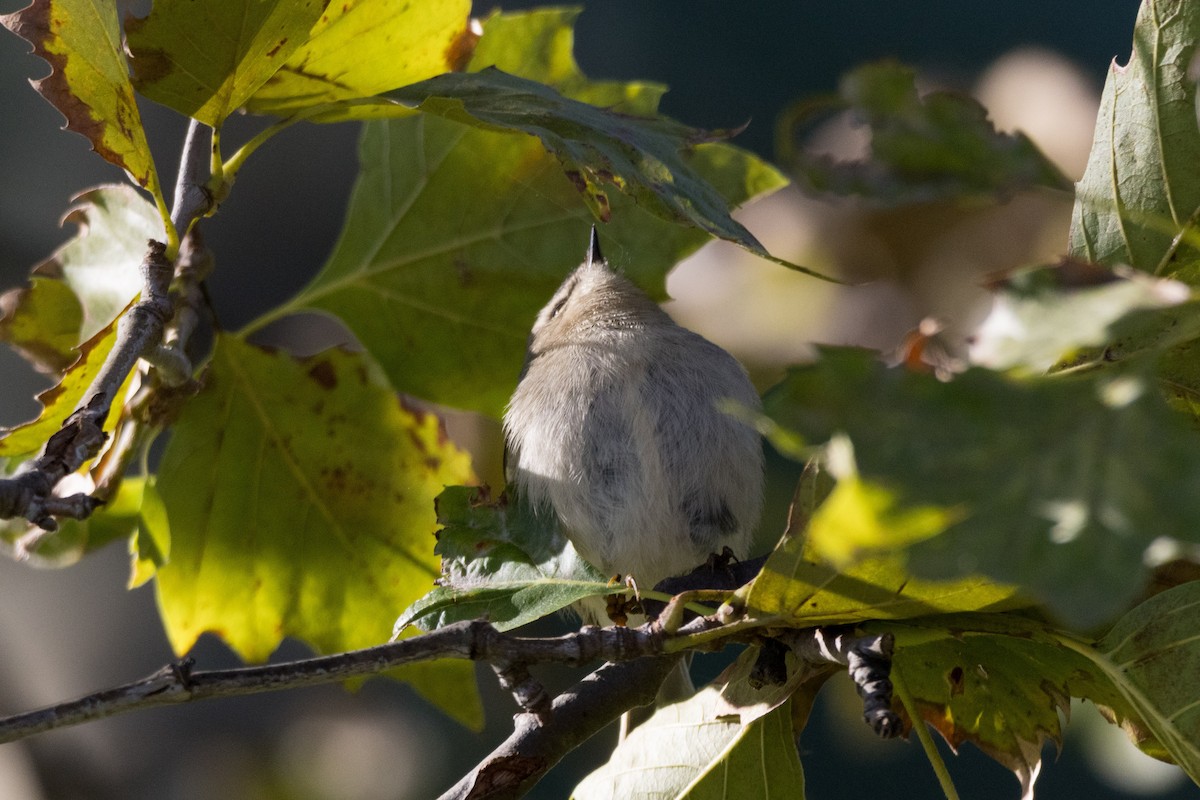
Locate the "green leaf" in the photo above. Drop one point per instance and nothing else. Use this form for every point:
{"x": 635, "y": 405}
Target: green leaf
{"x": 300, "y": 501}
{"x": 1142, "y": 183}
{"x": 1151, "y": 655}
{"x": 596, "y": 147}
{"x": 205, "y": 60}
{"x": 150, "y": 546}
{"x": 701, "y": 748}
{"x": 1000, "y": 682}
{"x": 89, "y": 79}
{"x": 59, "y": 401}
{"x": 42, "y": 322}
{"x": 88, "y": 281}
{"x": 363, "y": 47}
{"x": 500, "y": 562}
{"x": 1057, "y": 485}
{"x": 1043, "y": 315}
{"x": 923, "y": 148}
{"x": 425, "y": 279}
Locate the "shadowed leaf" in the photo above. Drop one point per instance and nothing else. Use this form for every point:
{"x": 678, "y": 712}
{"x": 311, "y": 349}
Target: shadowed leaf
{"x": 1056, "y": 485}
{"x": 502, "y": 563}
{"x": 923, "y": 148}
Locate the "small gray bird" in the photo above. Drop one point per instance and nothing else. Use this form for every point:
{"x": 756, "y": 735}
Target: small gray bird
{"x": 615, "y": 429}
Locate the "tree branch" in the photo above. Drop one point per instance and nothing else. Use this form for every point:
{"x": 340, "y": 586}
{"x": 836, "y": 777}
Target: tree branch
{"x": 30, "y": 494}
{"x": 474, "y": 640}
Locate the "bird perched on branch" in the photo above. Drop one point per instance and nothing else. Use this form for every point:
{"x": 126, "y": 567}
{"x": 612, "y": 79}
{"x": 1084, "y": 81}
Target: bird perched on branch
{"x": 616, "y": 429}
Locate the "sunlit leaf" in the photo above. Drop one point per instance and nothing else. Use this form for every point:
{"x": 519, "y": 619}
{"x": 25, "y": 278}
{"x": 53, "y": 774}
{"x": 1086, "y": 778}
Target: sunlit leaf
{"x": 425, "y": 279}
{"x": 205, "y": 60}
{"x": 500, "y": 562}
{"x": 923, "y": 148}
{"x": 1056, "y": 485}
{"x": 1043, "y": 315}
{"x": 364, "y": 47}
{"x": 88, "y": 281}
{"x": 1142, "y": 183}
{"x": 150, "y": 546}
{"x": 89, "y": 79}
{"x": 700, "y": 748}
{"x": 59, "y": 401}
{"x": 299, "y": 496}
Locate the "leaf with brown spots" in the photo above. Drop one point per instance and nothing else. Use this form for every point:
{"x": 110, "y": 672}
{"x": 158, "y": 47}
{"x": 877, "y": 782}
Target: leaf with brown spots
{"x": 205, "y": 60}
{"x": 359, "y": 48}
{"x": 299, "y": 499}
{"x": 89, "y": 78}
{"x": 1001, "y": 682}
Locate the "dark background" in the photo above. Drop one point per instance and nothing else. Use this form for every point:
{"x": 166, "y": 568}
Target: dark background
{"x": 75, "y": 630}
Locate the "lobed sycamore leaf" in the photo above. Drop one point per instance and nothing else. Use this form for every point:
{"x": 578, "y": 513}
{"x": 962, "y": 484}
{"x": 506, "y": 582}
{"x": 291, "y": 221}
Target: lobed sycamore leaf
{"x": 60, "y": 400}
{"x": 923, "y": 148}
{"x": 87, "y": 283}
{"x": 1056, "y": 485}
{"x": 500, "y": 562}
{"x": 89, "y": 79}
{"x": 363, "y": 47}
{"x": 1141, "y": 188}
{"x": 425, "y": 279}
{"x": 1001, "y": 682}
{"x": 205, "y": 60}
{"x": 703, "y": 748}
{"x": 299, "y": 497}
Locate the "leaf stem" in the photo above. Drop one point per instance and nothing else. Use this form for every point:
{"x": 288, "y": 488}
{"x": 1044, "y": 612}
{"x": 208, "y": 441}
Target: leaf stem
{"x": 930, "y": 747}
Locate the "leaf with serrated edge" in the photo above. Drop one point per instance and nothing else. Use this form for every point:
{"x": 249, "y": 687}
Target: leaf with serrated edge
{"x": 697, "y": 749}
{"x": 364, "y": 47}
{"x": 60, "y": 400}
{"x": 500, "y": 562}
{"x": 1142, "y": 182}
{"x": 299, "y": 496}
{"x": 1105, "y": 468}
{"x": 98, "y": 266}
{"x": 205, "y": 60}
{"x": 422, "y": 277}
{"x": 1001, "y": 682}
{"x": 89, "y": 82}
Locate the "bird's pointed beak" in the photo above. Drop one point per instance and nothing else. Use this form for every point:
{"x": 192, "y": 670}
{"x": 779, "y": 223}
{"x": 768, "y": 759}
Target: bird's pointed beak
{"x": 594, "y": 256}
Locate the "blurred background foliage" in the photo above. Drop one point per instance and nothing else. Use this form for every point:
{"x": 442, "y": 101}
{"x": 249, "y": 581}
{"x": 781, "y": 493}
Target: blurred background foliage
{"x": 1037, "y": 67}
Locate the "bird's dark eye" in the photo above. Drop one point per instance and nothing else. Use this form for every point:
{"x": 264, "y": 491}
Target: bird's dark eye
{"x": 558, "y": 307}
